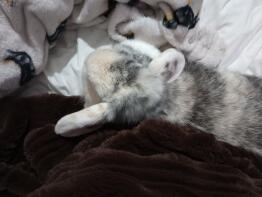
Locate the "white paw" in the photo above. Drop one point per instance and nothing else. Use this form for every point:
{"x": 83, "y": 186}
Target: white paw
{"x": 90, "y": 118}
{"x": 66, "y": 124}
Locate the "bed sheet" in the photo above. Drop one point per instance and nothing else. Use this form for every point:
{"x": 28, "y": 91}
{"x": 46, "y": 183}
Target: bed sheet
{"x": 64, "y": 70}
{"x": 238, "y": 22}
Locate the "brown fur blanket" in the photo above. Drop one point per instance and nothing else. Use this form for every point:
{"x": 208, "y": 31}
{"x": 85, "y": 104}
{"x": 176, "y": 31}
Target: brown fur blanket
{"x": 155, "y": 159}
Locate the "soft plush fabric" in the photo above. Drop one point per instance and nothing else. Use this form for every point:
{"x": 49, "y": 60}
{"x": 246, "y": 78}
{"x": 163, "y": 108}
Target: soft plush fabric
{"x": 28, "y": 28}
{"x": 155, "y": 158}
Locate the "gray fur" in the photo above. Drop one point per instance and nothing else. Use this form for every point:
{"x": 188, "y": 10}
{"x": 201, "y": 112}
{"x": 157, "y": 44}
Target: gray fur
{"x": 237, "y": 120}
{"x": 225, "y": 104}
{"x": 131, "y": 107}
{"x": 208, "y": 103}
{"x": 132, "y": 81}
{"x": 126, "y": 70}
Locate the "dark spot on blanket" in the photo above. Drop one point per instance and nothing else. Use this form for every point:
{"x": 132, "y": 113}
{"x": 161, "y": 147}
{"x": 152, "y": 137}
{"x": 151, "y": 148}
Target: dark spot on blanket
{"x": 25, "y": 62}
{"x": 133, "y": 2}
{"x": 60, "y": 29}
{"x": 10, "y": 3}
{"x": 111, "y": 6}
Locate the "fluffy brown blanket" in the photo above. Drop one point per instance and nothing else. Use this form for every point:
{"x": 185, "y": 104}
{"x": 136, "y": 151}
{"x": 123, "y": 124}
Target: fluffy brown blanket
{"x": 153, "y": 159}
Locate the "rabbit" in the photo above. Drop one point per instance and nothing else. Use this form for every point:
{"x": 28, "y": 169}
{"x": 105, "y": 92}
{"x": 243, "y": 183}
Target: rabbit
{"x": 131, "y": 81}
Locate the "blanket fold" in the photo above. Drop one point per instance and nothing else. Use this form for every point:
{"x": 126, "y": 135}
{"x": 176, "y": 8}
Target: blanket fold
{"x": 24, "y": 28}
{"x": 155, "y": 158}
{"x": 28, "y": 28}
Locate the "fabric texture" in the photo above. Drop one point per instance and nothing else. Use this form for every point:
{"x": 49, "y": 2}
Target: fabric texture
{"x": 28, "y": 28}
{"x": 155, "y": 158}
{"x": 25, "y": 26}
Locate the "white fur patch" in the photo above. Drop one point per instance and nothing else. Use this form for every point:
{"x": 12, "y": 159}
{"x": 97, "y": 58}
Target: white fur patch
{"x": 143, "y": 47}
{"x": 88, "y": 117}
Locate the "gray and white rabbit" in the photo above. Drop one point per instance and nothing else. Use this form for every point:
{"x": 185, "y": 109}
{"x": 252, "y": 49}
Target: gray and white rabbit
{"x": 133, "y": 80}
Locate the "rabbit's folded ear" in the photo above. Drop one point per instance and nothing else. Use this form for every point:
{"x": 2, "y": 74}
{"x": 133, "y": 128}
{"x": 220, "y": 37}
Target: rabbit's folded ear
{"x": 169, "y": 63}
{"x": 89, "y": 118}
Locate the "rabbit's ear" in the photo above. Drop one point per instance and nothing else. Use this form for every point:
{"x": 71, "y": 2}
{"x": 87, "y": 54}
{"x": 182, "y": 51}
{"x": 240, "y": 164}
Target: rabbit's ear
{"x": 169, "y": 63}
{"x": 89, "y": 118}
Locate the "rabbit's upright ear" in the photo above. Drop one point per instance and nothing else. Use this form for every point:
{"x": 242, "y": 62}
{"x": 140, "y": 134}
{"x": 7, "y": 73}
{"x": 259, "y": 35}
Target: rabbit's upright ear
{"x": 89, "y": 118}
{"x": 169, "y": 63}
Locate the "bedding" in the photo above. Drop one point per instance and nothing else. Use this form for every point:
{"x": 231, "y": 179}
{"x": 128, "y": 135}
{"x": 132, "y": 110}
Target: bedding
{"x": 155, "y": 158}
{"x": 238, "y": 23}
{"x": 29, "y": 28}
{"x": 26, "y": 32}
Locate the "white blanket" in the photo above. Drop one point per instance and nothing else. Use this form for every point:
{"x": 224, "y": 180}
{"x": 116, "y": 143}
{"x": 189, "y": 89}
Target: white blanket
{"x": 237, "y": 21}
{"x": 64, "y": 70}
